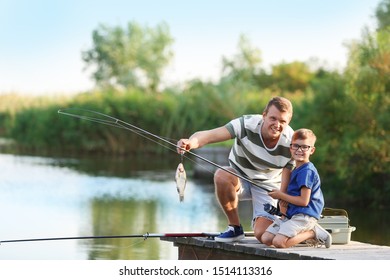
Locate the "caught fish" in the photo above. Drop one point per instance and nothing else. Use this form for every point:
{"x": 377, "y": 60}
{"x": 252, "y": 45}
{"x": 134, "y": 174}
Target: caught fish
{"x": 181, "y": 179}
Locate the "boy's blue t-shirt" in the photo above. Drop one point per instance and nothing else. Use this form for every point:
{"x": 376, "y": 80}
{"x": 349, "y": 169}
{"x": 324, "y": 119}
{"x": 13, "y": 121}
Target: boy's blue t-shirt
{"x": 306, "y": 176}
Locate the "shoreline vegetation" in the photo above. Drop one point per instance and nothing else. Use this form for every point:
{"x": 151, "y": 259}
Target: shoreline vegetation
{"x": 347, "y": 109}
{"x": 350, "y": 162}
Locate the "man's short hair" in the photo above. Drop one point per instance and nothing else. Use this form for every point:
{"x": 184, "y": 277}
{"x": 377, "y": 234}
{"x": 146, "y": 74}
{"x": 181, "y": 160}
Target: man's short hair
{"x": 281, "y": 103}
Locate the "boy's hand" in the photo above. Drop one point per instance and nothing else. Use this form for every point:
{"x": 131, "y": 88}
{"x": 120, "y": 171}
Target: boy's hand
{"x": 275, "y": 194}
{"x": 283, "y": 206}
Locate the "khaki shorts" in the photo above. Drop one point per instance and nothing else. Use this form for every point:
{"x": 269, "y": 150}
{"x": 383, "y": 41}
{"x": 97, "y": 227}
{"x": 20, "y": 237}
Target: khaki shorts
{"x": 259, "y": 197}
{"x": 291, "y": 227}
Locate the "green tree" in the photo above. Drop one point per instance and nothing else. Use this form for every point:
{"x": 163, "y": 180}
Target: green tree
{"x": 368, "y": 68}
{"x": 353, "y": 124}
{"x": 132, "y": 57}
{"x": 244, "y": 65}
{"x": 291, "y": 76}
{"x": 383, "y": 15}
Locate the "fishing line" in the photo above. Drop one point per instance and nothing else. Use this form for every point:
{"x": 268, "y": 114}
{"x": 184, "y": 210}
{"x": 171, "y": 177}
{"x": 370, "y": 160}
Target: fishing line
{"x": 112, "y": 122}
{"x": 98, "y": 117}
{"x": 122, "y": 247}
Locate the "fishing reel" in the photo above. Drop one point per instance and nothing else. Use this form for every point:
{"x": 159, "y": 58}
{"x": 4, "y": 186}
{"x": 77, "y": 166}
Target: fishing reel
{"x": 273, "y": 210}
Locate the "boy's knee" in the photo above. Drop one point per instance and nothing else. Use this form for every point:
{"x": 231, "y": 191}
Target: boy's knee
{"x": 279, "y": 241}
{"x": 266, "y": 238}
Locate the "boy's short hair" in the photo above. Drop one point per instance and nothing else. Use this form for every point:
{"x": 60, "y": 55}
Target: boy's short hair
{"x": 303, "y": 134}
{"x": 281, "y": 103}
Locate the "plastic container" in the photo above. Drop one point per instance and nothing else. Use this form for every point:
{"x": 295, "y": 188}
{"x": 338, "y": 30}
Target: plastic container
{"x": 338, "y": 227}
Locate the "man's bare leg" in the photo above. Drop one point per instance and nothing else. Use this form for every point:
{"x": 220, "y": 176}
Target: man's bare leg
{"x": 226, "y": 187}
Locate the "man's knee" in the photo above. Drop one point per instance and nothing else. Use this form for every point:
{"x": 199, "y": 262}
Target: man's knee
{"x": 224, "y": 178}
{"x": 218, "y": 176}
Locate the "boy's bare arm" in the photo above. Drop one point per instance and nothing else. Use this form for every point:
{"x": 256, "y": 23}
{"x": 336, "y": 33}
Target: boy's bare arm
{"x": 301, "y": 200}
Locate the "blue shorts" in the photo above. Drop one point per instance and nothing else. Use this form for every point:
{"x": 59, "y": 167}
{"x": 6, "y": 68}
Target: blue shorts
{"x": 259, "y": 197}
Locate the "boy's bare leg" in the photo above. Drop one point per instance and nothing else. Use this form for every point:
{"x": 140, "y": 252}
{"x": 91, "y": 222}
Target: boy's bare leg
{"x": 282, "y": 241}
{"x": 260, "y": 226}
{"x": 266, "y": 238}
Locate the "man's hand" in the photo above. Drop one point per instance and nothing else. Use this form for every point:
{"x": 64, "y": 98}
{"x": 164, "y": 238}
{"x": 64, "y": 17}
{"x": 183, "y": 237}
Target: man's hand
{"x": 183, "y": 145}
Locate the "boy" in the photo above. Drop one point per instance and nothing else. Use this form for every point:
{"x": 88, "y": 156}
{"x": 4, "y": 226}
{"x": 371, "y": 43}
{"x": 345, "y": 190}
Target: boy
{"x": 304, "y": 198}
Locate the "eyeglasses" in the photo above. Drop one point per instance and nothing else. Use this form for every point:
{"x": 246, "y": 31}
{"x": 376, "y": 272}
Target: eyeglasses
{"x": 304, "y": 148}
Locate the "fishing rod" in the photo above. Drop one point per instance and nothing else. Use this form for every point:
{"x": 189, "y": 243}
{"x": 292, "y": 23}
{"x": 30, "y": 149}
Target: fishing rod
{"x": 209, "y": 235}
{"x": 274, "y": 210}
{"x": 98, "y": 117}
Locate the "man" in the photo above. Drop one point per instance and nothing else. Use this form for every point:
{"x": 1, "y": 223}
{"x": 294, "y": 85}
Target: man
{"x": 260, "y": 153}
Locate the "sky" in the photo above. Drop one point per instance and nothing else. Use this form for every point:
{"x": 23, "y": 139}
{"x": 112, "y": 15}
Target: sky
{"x": 41, "y": 41}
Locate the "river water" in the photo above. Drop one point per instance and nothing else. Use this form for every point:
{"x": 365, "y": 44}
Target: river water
{"x": 44, "y": 197}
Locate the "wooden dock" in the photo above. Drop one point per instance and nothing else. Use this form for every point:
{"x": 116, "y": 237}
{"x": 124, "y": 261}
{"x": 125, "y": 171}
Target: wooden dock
{"x": 200, "y": 248}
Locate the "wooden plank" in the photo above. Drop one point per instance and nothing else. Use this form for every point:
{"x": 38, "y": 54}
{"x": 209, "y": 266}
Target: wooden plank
{"x": 199, "y": 248}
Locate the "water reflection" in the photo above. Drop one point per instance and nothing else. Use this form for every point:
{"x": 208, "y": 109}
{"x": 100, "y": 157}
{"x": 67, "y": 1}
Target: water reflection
{"x": 115, "y": 216}
{"x": 46, "y": 197}
{"x": 372, "y": 226}
{"x": 43, "y": 197}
